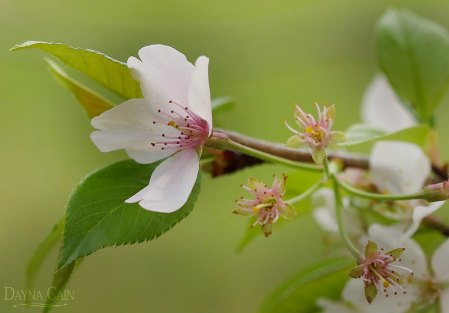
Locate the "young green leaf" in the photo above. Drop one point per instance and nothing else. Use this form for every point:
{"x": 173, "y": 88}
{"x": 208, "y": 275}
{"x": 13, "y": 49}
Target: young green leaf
{"x": 41, "y": 253}
{"x": 221, "y": 102}
{"x": 413, "y": 52}
{"x": 300, "y": 293}
{"x": 98, "y": 217}
{"x": 92, "y": 102}
{"x": 110, "y": 73}
{"x": 60, "y": 281}
{"x": 362, "y": 134}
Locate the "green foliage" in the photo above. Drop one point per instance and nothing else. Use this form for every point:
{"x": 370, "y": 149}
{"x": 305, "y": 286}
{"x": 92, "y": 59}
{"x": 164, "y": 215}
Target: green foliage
{"x": 60, "y": 280}
{"x": 414, "y": 54}
{"x": 297, "y": 183}
{"x": 41, "y": 253}
{"x": 300, "y": 293}
{"x": 98, "y": 217}
{"x": 110, "y": 73}
{"x": 362, "y": 136}
{"x": 92, "y": 102}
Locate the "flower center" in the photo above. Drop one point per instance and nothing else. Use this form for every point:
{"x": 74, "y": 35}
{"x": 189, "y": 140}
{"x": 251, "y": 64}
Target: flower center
{"x": 317, "y": 132}
{"x": 192, "y": 130}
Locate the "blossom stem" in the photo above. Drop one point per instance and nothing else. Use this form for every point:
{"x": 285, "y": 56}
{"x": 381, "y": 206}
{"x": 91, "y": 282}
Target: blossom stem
{"x": 306, "y": 193}
{"x": 222, "y": 142}
{"x": 339, "y": 216}
{"x": 426, "y": 195}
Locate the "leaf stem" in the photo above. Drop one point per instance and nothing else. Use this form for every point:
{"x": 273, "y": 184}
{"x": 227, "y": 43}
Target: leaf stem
{"x": 339, "y": 214}
{"x": 306, "y": 193}
{"x": 381, "y": 197}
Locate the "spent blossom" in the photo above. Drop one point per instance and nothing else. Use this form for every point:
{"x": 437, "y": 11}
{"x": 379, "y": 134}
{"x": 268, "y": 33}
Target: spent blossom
{"x": 377, "y": 271}
{"x": 317, "y": 133}
{"x": 268, "y": 204}
{"x": 174, "y": 119}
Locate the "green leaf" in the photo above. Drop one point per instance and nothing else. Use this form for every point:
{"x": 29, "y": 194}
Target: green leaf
{"x": 413, "y": 52}
{"x": 92, "y": 102}
{"x": 41, "y": 253}
{"x": 60, "y": 281}
{"x": 367, "y": 135}
{"x": 110, "y": 73}
{"x": 300, "y": 293}
{"x": 297, "y": 183}
{"x": 221, "y": 102}
{"x": 98, "y": 217}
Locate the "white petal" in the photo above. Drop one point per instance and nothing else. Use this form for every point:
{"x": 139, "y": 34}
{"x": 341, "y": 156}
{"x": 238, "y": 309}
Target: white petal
{"x": 323, "y": 197}
{"x": 164, "y": 74}
{"x": 389, "y": 238}
{"x": 325, "y": 219}
{"x": 399, "y": 167}
{"x": 130, "y": 126}
{"x": 444, "y": 301}
{"x": 199, "y": 92}
{"x": 171, "y": 183}
{"x": 381, "y": 107}
{"x": 329, "y": 306}
{"x": 440, "y": 262}
{"x": 354, "y": 292}
{"x": 419, "y": 213}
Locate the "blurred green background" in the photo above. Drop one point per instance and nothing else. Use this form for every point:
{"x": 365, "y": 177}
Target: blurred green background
{"x": 267, "y": 54}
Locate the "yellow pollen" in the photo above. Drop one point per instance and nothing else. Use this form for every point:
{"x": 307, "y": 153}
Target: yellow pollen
{"x": 309, "y": 129}
{"x": 171, "y": 123}
{"x": 255, "y": 209}
{"x": 386, "y": 284}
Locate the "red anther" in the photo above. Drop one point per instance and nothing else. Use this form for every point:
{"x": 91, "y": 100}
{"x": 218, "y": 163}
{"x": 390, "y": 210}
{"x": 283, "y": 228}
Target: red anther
{"x": 170, "y": 101}
{"x": 159, "y": 111}
{"x": 153, "y": 144}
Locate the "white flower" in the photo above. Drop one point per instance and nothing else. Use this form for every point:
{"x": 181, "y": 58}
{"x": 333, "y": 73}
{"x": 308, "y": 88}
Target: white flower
{"x": 323, "y": 202}
{"x": 329, "y": 306}
{"x": 174, "y": 119}
{"x": 382, "y": 109}
{"x": 401, "y": 168}
{"x": 388, "y": 238}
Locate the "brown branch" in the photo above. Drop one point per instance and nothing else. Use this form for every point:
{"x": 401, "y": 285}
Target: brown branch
{"x": 302, "y": 155}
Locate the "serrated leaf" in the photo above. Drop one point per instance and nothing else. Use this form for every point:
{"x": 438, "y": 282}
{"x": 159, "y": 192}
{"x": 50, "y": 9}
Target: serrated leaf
{"x": 110, "y": 73}
{"x": 297, "y": 183}
{"x": 98, "y": 217}
{"x": 92, "y": 102}
{"x": 359, "y": 134}
{"x": 41, "y": 253}
{"x": 60, "y": 281}
{"x": 300, "y": 293}
{"x": 413, "y": 52}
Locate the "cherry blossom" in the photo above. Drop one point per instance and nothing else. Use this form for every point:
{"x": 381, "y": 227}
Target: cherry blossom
{"x": 173, "y": 120}
{"x": 402, "y": 168}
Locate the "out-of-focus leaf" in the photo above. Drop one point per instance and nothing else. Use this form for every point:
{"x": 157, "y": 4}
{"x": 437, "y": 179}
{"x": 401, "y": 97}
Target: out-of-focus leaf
{"x": 92, "y": 102}
{"x": 110, "y": 73}
{"x": 98, "y": 217}
{"x": 41, "y": 253}
{"x": 414, "y": 54}
{"x": 300, "y": 293}
{"x": 221, "y": 102}
{"x": 297, "y": 183}
{"x": 362, "y": 134}
{"x": 60, "y": 281}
